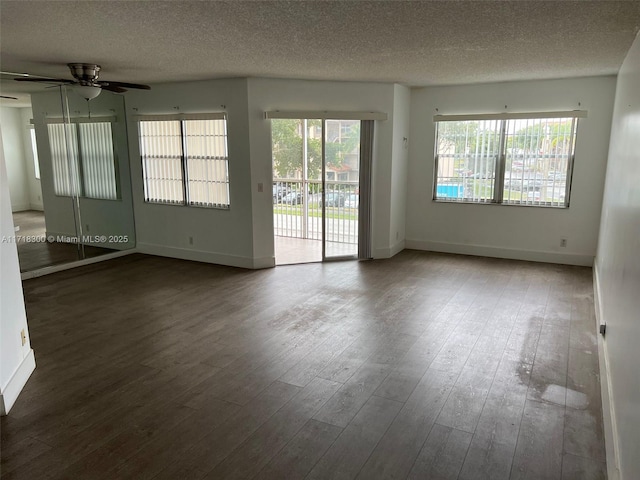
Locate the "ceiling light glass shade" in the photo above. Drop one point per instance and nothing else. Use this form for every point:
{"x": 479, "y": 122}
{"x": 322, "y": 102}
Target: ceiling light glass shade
{"x": 87, "y": 92}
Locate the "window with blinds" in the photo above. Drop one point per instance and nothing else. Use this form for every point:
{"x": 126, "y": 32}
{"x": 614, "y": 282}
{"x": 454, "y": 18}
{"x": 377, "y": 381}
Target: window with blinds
{"x": 83, "y": 160}
{"x": 523, "y": 160}
{"x": 63, "y": 143}
{"x": 185, "y": 159}
{"x": 161, "y": 151}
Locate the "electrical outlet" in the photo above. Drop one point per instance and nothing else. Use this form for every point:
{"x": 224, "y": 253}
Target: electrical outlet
{"x": 260, "y": 187}
{"x": 190, "y": 240}
{"x": 563, "y": 242}
{"x": 23, "y": 337}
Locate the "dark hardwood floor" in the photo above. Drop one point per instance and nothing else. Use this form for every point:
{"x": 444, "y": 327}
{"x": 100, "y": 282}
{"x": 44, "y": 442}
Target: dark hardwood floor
{"x": 34, "y": 255}
{"x": 424, "y": 366}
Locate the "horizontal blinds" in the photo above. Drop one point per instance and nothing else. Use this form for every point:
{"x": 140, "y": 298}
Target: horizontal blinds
{"x": 181, "y": 116}
{"x": 510, "y": 116}
{"x": 324, "y": 115}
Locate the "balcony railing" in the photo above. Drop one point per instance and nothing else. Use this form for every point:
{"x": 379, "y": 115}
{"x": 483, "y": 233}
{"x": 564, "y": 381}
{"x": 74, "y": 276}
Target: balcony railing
{"x": 297, "y": 210}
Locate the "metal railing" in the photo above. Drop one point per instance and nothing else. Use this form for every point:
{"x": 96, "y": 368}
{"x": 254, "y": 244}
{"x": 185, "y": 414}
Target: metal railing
{"x": 297, "y": 210}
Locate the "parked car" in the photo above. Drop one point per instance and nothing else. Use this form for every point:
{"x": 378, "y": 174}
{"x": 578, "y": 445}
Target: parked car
{"x": 293, "y": 198}
{"x": 533, "y": 196}
{"x": 352, "y": 201}
{"x": 528, "y": 181}
{"x": 557, "y": 176}
{"x": 334, "y": 199}
{"x": 279, "y": 191}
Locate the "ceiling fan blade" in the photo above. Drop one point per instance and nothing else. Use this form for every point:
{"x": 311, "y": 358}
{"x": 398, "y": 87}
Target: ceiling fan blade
{"x": 44, "y": 80}
{"x": 125, "y": 85}
{"x": 10, "y": 98}
{"x": 113, "y": 88}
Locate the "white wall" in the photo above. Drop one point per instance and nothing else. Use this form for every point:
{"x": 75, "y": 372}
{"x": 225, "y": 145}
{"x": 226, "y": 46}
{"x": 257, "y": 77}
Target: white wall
{"x": 399, "y": 167}
{"x": 243, "y": 235}
{"x": 277, "y": 94}
{"x": 11, "y": 121}
{"x": 35, "y": 190}
{"x": 16, "y": 360}
{"x": 528, "y": 233}
{"x": 219, "y": 236}
{"x": 618, "y": 274}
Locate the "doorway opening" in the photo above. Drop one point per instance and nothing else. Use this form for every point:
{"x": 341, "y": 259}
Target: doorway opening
{"x": 316, "y": 189}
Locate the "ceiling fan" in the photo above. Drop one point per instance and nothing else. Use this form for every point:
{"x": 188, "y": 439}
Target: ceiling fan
{"x": 86, "y": 81}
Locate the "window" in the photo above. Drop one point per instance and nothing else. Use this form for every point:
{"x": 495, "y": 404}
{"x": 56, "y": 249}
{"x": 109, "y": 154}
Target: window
{"x": 185, "y": 159}
{"x": 83, "y": 160}
{"x": 34, "y": 151}
{"x": 524, "y": 159}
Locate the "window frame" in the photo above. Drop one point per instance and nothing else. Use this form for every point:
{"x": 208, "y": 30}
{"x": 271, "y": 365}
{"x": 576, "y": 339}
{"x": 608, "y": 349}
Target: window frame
{"x": 184, "y": 157}
{"x": 34, "y": 152}
{"x": 501, "y": 157}
{"x": 78, "y": 186}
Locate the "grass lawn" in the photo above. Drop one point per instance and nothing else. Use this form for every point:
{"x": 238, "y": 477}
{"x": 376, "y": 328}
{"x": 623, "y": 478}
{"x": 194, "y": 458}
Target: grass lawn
{"x": 332, "y": 212}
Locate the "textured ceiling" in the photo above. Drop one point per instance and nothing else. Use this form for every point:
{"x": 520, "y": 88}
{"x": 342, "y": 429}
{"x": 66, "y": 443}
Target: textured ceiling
{"x": 415, "y": 43}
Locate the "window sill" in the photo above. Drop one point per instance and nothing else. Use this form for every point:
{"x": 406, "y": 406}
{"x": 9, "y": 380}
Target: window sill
{"x": 511, "y": 204}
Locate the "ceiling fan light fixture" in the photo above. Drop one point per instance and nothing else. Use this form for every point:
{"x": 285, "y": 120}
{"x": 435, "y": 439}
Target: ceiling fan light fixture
{"x": 87, "y": 92}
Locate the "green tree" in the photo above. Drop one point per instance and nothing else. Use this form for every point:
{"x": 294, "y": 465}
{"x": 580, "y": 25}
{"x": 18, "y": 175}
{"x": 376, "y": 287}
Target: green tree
{"x": 457, "y": 137}
{"x": 552, "y": 137}
{"x": 336, "y": 150}
{"x": 286, "y": 147}
{"x": 287, "y": 141}
{"x": 288, "y": 150}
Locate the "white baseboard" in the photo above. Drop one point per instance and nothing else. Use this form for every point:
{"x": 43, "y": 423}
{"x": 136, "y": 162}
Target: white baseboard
{"x": 389, "y": 252}
{"x": 608, "y": 411}
{"x": 397, "y": 248}
{"x": 37, "y": 206}
{"x": 264, "y": 262}
{"x": 499, "y": 252}
{"x": 20, "y": 208}
{"x": 206, "y": 257}
{"x": 16, "y": 383}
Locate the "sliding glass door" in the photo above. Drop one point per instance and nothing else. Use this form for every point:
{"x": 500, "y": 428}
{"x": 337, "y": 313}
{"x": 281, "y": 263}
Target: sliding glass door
{"x": 341, "y": 188}
{"x": 316, "y": 189}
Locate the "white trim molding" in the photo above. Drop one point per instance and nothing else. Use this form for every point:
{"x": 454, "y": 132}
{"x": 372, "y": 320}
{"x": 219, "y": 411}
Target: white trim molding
{"x": 206, "y": 257}
{"x": 501, "y": 252}
{"x": 181, "y": 116}
{"x": 16, "y": 383}
{"x": 608, "y": 411}
{"x": 388, "y": 252}
{"x": 510, "y": 116}
{"x": 23, "y": 207}
{"x": 324, "y": 115}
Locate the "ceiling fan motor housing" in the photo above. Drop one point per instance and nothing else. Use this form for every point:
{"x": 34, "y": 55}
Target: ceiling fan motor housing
{"x": 85, "y": 73}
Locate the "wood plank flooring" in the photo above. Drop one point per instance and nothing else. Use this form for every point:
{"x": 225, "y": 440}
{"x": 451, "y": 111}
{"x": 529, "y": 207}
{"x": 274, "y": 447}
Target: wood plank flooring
{"x": 35, "y": 255}
{"x": 424, "y": 366}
